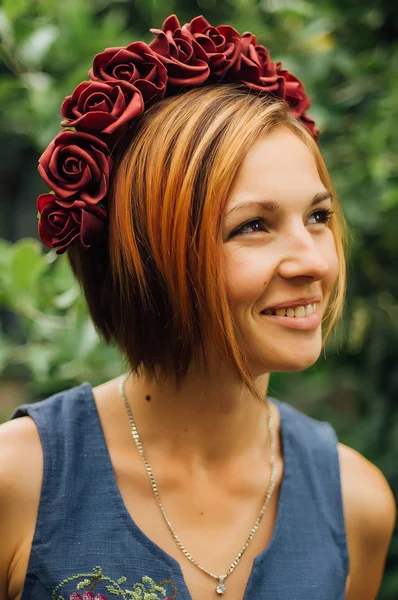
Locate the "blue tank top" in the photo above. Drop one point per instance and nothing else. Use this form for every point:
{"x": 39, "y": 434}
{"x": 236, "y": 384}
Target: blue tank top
{"x": 87, "y": 547}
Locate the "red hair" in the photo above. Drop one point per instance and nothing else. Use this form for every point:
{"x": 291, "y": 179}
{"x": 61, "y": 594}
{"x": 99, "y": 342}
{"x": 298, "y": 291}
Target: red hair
{"x": 157, "y": 289}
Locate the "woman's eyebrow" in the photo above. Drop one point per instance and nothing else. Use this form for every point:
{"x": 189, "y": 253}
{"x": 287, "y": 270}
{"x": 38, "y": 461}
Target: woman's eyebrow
{"x": 271, "y": 205}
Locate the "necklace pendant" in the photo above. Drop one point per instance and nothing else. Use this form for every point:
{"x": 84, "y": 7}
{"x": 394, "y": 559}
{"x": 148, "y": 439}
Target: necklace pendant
{"x": 220, "y": 589}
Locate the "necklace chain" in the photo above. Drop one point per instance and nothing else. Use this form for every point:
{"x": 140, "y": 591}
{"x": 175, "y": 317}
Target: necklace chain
{"x": 220, "y": 589}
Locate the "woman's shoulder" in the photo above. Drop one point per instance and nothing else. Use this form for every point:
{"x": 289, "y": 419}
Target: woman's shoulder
{"x": 32, "y": 442}
{"x": 369, "y": 495}
{"x": 370, "y": 515}
{"x": 21, "y": 462}
{"x": 370, "y": 499}
{"x": 21, "y": 474}
{"x": 61, "y": 403}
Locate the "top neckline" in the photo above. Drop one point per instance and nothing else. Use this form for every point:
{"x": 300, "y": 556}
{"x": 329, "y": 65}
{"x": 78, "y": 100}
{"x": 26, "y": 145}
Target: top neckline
{"x": 152, "y": 546}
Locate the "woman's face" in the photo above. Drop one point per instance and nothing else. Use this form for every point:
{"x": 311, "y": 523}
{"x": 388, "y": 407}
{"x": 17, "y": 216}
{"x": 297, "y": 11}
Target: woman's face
{"x": 281, "y": 253}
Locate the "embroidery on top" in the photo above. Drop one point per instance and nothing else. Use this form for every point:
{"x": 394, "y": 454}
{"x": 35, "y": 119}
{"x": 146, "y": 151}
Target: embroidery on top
{"x": 91, "y": 586}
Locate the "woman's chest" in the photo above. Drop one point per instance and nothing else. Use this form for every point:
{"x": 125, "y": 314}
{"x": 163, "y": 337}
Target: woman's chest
{"x": 87, "y": 570}
{"x": 211, "y": 529}
{"x": 133, "y": 555}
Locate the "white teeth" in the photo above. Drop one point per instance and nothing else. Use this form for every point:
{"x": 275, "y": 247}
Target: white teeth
{"x": 299, "y": 312}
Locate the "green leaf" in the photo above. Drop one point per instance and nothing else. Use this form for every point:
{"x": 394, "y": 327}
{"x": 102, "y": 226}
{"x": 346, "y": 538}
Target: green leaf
{"x": 5, "y": 254}
{"x": 15, "y": 8}
{"x": 4, "y": 353}
{"x": 88, "y": 339}
{"x": 41, "y": 91}
{"x": 40, "y": 359}
{"x": 389, "y": 199}
{"x": 38, "y": 44}
{"x": 27, "y": 264}
{"x": 6, "y": 32}
{"x": 61, "y": 274}
{"x": 83, "y": 584}
{"x": 68, "y": 298}
{"x": 10, "y": 87}
{"x": 113, "y": 590}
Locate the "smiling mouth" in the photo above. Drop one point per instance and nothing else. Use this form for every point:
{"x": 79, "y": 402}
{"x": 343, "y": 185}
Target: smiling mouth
{"x": 299, "y": 312}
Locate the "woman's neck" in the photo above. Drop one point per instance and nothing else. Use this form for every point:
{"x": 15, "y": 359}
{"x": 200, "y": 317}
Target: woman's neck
{"x": 204, "y": 424}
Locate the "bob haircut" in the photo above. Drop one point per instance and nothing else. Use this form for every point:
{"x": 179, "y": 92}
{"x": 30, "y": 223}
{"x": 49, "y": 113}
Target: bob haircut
{"x": 155, "y": 288}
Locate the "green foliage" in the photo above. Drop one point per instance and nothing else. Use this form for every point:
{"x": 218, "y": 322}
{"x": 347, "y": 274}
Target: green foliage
{"x": 346, "y": 52}
{"x": 56, "y": 344}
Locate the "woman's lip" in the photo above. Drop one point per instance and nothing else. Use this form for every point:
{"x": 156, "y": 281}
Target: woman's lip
{"x": 310, "y": 322}
{"x": 295, "y": 303}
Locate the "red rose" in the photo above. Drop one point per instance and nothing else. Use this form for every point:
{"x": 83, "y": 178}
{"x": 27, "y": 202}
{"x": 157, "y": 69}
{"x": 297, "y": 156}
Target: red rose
{"x": 258, "y": 72}
{"x": 297, "y": 99}
{"x": 184, "y": 58}
{"x": 137, "y": 64}
{"x": 222, "y": 44}
{"x": 255, "y": 68}
{"x": 294, "y": 92}
{"x": 76, "y": 163}
{"x": 102, "y": 107}
{"x": 61, "y": 223}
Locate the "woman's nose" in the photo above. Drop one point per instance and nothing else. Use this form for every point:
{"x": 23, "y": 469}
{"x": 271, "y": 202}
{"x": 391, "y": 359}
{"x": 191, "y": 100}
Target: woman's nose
{"x": 305, "y": 255}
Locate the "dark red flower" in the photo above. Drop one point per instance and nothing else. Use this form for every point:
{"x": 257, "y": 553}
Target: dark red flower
{"x": 136, "y": 64}
{"x": 296, "y": 97}
{"x": 76, "y": 163}
{"x": 222, "y": 45}
{"x": 184, "y": 59}
{"x": 102, "y": 108}
{"x": 294, "y": 92}
{"x": 256, "y": 69}
{"x": 123, "y": 83}
{"x": 61, "y": 223}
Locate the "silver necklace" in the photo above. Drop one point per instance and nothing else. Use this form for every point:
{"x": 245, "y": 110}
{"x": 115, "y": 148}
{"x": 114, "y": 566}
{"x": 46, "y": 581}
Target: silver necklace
{"x": 220, "y": 589}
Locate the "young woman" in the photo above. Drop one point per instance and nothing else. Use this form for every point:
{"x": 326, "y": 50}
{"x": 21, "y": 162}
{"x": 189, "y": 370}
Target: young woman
{"x": 222, "y": 262}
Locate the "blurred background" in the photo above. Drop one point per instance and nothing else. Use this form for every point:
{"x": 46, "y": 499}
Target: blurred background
{"x": 346, "y": 53}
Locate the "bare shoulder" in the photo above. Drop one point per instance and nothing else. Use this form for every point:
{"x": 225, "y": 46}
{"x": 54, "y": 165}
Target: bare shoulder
{"x": 370, "y": 516}
{"x": 21, "y": 474}
{"x": 368, "y": 493}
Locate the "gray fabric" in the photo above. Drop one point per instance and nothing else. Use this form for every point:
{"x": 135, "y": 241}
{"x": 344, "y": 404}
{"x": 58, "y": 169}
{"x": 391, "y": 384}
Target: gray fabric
{"x": 86, "y": 546}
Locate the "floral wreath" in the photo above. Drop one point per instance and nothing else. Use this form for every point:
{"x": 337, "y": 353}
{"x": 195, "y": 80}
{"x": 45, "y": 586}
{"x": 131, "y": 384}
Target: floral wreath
{"x": 125, "y": 81}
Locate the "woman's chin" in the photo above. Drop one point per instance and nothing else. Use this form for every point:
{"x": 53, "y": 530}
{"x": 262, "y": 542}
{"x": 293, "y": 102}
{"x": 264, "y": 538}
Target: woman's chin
{"x": 290, "y": 367}
{"x": 286, "y": 362}
{"x": 282, "y": 353}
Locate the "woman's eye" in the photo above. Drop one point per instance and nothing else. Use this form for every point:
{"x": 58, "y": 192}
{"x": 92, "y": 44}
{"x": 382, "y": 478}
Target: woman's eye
{"x": 250, "y": 225}
{"x": 324, "y": 216}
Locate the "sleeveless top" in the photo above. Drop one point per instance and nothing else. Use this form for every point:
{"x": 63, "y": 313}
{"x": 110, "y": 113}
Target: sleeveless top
{"x": 87, "y": 547}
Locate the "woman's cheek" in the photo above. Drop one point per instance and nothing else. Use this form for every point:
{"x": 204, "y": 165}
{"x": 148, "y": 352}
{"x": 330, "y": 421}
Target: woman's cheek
{"x": 247, "y": 273}
{"x": 333, "y": 259}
